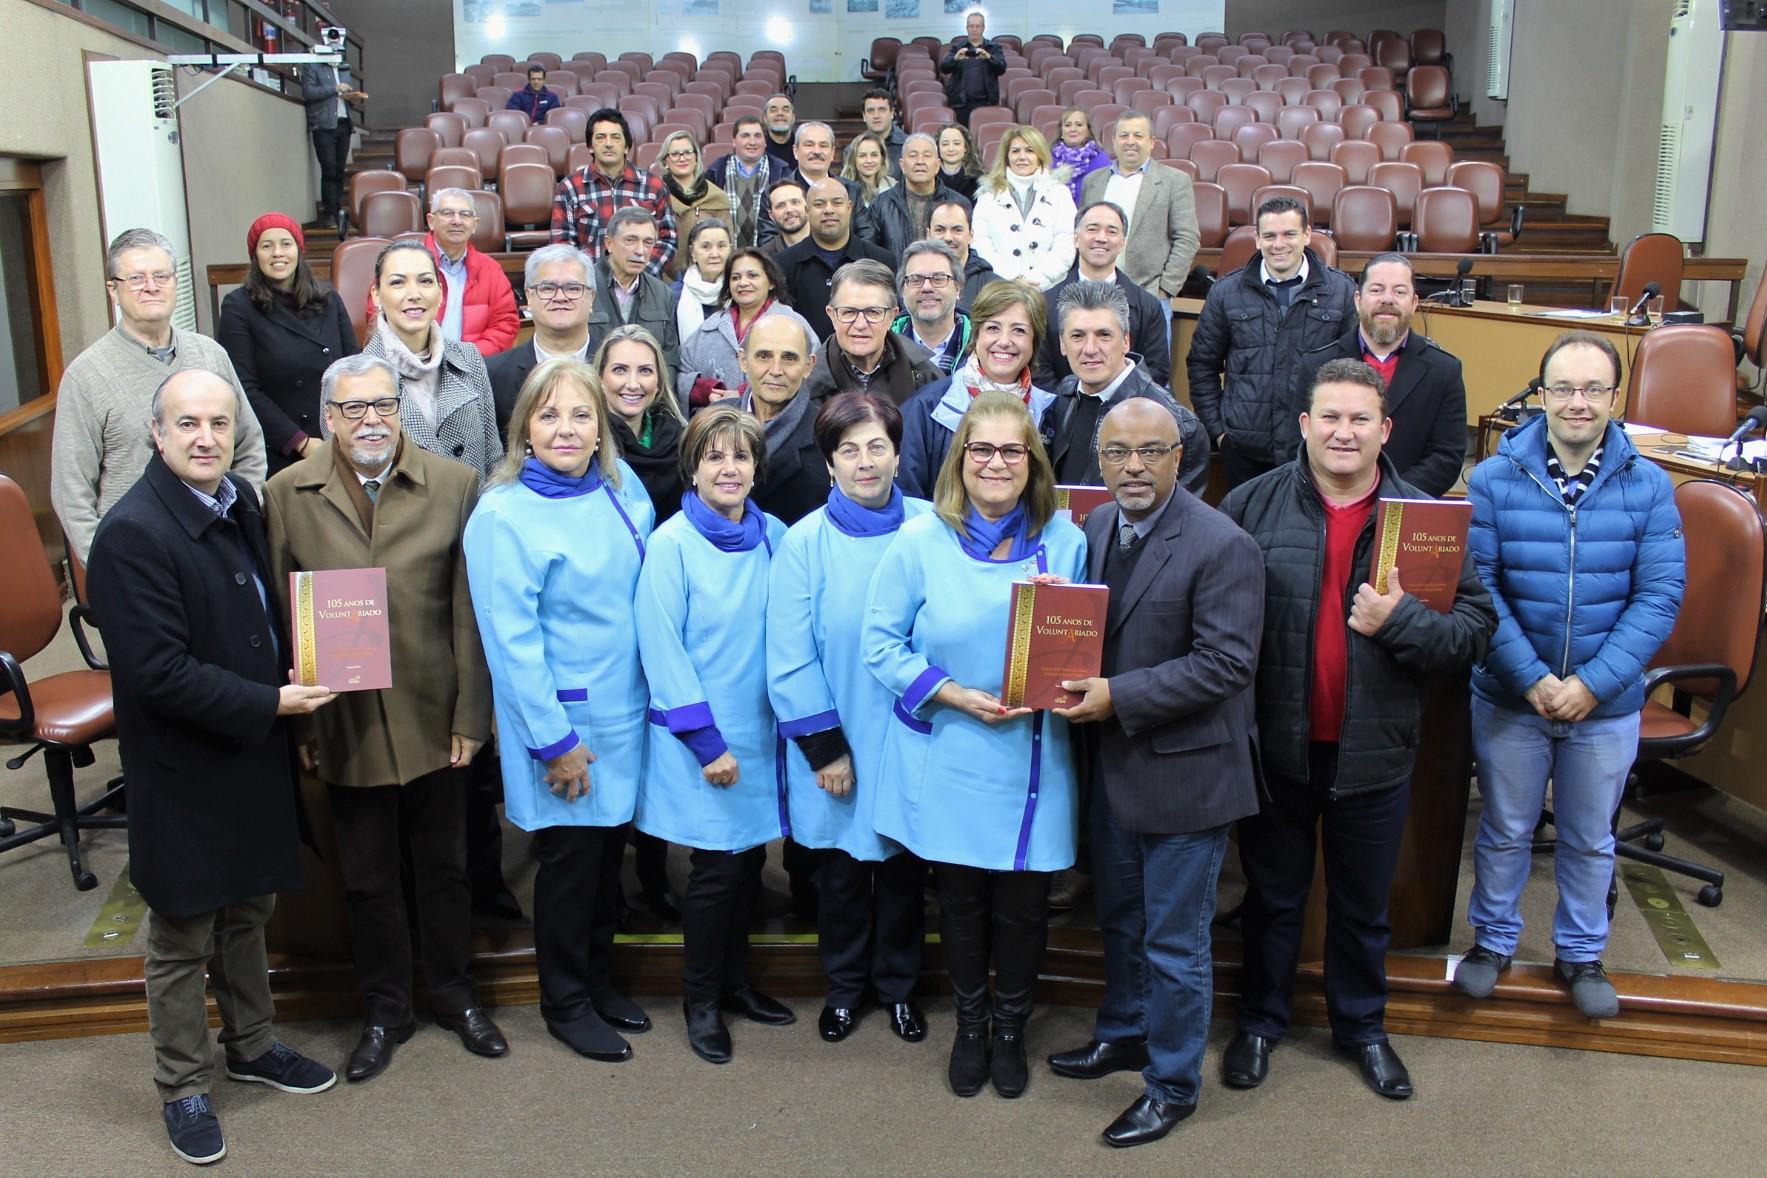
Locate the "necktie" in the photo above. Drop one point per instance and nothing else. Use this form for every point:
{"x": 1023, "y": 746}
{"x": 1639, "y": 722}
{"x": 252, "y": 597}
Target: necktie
{"x": 1126, "y": 537}
{"x": 372, "y": 487}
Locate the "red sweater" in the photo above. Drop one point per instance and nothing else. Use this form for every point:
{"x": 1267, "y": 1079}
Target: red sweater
{"x": 1331, "y": 629}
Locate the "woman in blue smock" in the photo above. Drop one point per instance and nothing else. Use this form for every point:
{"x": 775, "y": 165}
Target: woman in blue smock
{"x": 714, "y": 778}
{"x": 552, "y": 552}
{"x": 871, "y": 922}
{"x": 984, "y": 792}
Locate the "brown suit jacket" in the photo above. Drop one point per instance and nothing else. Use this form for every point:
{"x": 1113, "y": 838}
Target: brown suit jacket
{"x": 440, "y": 683}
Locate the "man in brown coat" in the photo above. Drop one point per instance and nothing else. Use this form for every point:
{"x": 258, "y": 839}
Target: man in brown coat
{"x": 398, "y": 757}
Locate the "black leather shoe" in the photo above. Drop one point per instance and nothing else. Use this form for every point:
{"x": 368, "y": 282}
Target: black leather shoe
{"x": 1246, "y": 1061}
{"x": 1144, "y": 1121}
{"x": 476, "y": 1030}
{"x": 969, "y": 1060}
{"x": 706, "y": 1032}
{"x": 592, "y": 1038}
{"x": 1100, "y": 1059}
{"x": 907, "y": 1022}
{"x": 1007, "y": 1066}
{"x": 837, "y": 1022}
{"x": 374, "y": 1051}
{"x": 621, "y": 1013}
{"x": 1381, "y": 1068}
{"x": 755, "y": 1006}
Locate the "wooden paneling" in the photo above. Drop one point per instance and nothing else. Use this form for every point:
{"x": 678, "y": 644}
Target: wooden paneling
{"x": 24, "y": 456}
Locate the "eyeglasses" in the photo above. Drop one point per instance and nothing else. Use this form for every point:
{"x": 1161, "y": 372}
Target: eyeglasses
{"x": 569, "y": 291}
{"x": 683, "y": 154}
{"x": 143, "y": 281}
{"x": 357, "y": 410}
{"x": 982, "y": 453}
{"x": 1119, "y": 455}
{"x": 936, "y": 281}
{"x": 456, "y": 214}
{"x": 1564, "y": 392}
{"x": 846, "y": 316}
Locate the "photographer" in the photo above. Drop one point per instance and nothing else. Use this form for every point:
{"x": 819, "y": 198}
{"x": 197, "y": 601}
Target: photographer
{"x": 972, "y": 66}
{"x": 327, "y": 89}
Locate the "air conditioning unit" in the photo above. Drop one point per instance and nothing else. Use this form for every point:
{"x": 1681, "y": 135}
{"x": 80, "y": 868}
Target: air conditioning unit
{"x": 1690, "y": 119}
{"x": 1502, "y": 36}
{"x": 141, "y": 162}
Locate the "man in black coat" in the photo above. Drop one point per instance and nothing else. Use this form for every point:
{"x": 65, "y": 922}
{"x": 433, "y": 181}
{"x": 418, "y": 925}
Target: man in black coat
{"x": 775, "y": 358}
{"x": 902, "y": 214}
{"x": 1426, "y": 397}
{"x": 1165, "y": 737}
{"x": 198, "y": 664}
{"x": 1342, "y": 671}
{"x": 560, "y": 284}
{"x": 809, "y": 266}
{"x": 952, "y": 224}
{"x": 1100, "y": 232}
{"x": 972, "y": 69}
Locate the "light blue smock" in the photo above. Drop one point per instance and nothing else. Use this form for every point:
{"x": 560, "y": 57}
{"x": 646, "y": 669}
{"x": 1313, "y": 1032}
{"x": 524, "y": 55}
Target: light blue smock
{"x": 702, "y": 621}
{"x": 553, "y": 582}
{"x": 817, "y": 677}
{"x": 952, "y": 788}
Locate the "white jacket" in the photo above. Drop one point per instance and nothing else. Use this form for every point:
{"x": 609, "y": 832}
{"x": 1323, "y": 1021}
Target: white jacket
{"x": 1038, "y": 247}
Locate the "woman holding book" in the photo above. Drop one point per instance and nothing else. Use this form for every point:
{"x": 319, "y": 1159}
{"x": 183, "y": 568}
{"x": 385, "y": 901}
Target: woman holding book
{"x": 712, "y": 779}
{"x": 871, "y": 919}
{"x": 984, "y": 792}
{"x": 552, "y": 554}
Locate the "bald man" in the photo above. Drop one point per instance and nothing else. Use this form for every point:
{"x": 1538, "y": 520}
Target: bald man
{"x": 809, "y": 266}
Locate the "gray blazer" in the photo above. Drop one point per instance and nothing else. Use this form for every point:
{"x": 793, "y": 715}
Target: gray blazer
{"x": 1163, "y": 235}
{"x": 1180, "y": 755}
{"x": 465, "y": 428}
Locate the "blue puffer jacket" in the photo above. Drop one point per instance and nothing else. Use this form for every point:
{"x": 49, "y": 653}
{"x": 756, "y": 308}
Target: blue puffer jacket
{"x": 1590, "y": 591}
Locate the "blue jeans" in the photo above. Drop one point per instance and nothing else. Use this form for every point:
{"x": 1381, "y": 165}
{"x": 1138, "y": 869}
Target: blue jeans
{"x": 1587, "y": 763}
{"x": 1156, "y": 899}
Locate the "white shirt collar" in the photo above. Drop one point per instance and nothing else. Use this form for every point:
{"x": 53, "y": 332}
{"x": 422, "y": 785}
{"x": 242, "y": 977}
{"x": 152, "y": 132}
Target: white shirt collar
{"x": 1265, "y": 276}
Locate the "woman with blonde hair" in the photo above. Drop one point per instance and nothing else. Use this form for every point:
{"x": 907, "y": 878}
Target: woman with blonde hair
{"x": 1076, "y": 154}
{"x": 643, "y": 418}
{"x": 692, "y": 194}
{"x": 1024, "y": 216}
{"x": 552, "y": 554}
{"x": 867, "y": 164}
{"x": 984, "y": 792}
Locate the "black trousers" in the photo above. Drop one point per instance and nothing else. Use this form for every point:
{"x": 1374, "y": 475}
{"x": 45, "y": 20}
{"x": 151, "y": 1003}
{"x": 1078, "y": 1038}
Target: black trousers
{"x": 484, "y": 829}
{"x": 1238, "y": 466}
{"x": 1361, "y": 836}
{"x": 431, "y": 811}
{"x": 993, "y": 916}
{"x": 715, "y": 913}
{"x": 870, "y": 926}
{"x": 332, "y": 146}
{"x": 576, "y": 893}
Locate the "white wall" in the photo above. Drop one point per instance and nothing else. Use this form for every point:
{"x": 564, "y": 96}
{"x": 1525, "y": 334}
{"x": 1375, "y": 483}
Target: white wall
{"x": 1322, "y": 16}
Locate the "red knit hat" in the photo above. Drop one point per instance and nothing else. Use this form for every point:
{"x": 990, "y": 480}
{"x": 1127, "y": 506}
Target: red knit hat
{"x": 274, "y": 221}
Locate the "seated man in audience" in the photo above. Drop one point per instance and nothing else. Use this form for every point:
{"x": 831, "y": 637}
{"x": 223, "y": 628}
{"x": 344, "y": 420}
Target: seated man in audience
{"x": 560, "y": 281}
{"x": 199, "y": 684}
{"x": 787, "y": 214}
{"x": 815, "y": 161}
{"x": 478, "y": 306}
{"x": 628, "y": 292}
{"x": 782, "y": 126}
{"x": 1100, "y": 233}
{"x": 929, "y": 290}
{"x": 745, "y": 175}
{"x": 950, "y": 222}
{"x": 1560, "y": 692}
{"x": 534, "y": 99}
{"x": 583, "y": 208}
{"x": 99, "y": 446}
{"x": 809, "y": 266}
{"x": 864, "y": 355}
{"x": 1426, "y": 398}
{"x": 878, "y": 110}
{"x": 1160, "y": 205}
{"x": 903, "y": 213}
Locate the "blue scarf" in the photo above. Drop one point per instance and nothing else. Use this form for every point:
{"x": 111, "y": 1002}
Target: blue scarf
{"x": 979, "y": 537}
{"x": 541, "y": 479}
{"x": 854, "y": 519}
{"x": 725, "y": 534}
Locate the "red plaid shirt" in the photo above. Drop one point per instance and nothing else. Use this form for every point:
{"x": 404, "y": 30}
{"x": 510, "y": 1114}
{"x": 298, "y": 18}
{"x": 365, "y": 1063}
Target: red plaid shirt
{"x": 586, "y": 201}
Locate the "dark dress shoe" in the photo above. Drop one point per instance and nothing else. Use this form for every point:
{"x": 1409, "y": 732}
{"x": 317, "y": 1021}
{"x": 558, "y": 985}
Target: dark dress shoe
{"x": 1381, "y": 1067}
{"x": 621, "y": 1012}
{"x": 1146, "y": 1120}
{"x": 969, "y": 1060}
{"x": 1100, "y": 1059}
{"x": 907, "y": 1022}
{"x": 1246, "y": 1061}
{"x": 706, "y": 1032}
{"x": 591, "y": 1037}
{"x": 1007, "y": 1065}
{"x": 755, "y": 1006}
{"x": 837, "y": 1022}
{"x": 374, "y": 1051}
{"x": 476, "y": 1030}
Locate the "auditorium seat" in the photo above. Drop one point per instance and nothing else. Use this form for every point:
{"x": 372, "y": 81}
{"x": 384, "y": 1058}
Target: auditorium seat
{"x": 525, "y": 153}
{"x": 527, "y": 205}
{"x": 598, "y": 60}
{"x": 1357, "y": 120}
{"x": 1211, "y": 213}
{"x": 495, "y": 97}
{"x": 557, "y": 144}
{"x": 564, "y": 82}
{"x": 1149, "y": 101}
{"x": 1485, "y": 181}
{"x": 1266, "y": 104}
{"x": 511, "y": 80}
{"x": 1291, "y": 121}
{"x": 488, "y": 146}
{"x": 412, "y": 147}
{"x": 1182, "y": 88}
{"x": 1651, "y": 257}
{"x": 1189, "y": 168}
{"x": 1355, "y": 157}
{"x": 646, "y": 154}
{"x": 449, "y": 126}
{"x": 480, "y": 73}
{"x": 1401, "y": 179}
{"x": 1268, "y": 75}
{"x": 487, "y": 236}
{"x": 573, "y": 120}
{"x": 474, "y": 110}
{"x": 581, "y": 156}
{"x": 1388, "y": 103}
{"x": 620, "y": 80}
{"x": 1229, "y": 119}
{"x": 369, "y": 181}
{"x": 1238, "y": 90}
{"x": 1427, "y": 96}
{"x": 511, "y": 124}
{"x": 1377, "y": 77}
{"x": 1321, "y": 76}
{"x": 1182, "y": 137}
{"x": 1249, "y": 65}
{"x": 1239, "y": 248}
{"x": 1351, "y": 65}
{"x": 464, "y": 157}
{"x": 1327, "y": 103}
{"x": 388, "y": 214}
{"x": 1364, "y": 218}
{"x": 1323, "y": 181}
{"x": 454, "y": 86}
{"x": 1239, "y": 181}
{"x": 1391, "y": 138}
{"x": 1444, "y": 221}
{"x": 1272, "y": 191}
{"x": 1433, "y": 156}
{"x": 1280, "y": 156}
{"x": 1210, "y": 155}
{"x": 1350, "y": 90}
{"x": 551, "y": 61}
{"x": 1683, "y": 380}
{"x": 1428, "y": 47}
{"x": 501, "y": 62}
{"x": 1205, "y": 103}
{"x": 1320, "y": 138}
{"x": 1251, "y": 138}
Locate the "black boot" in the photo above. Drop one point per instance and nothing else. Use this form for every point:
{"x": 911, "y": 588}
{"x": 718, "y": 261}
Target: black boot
{"x": 963, "y": 935}
{"x": 1020, "y": 931}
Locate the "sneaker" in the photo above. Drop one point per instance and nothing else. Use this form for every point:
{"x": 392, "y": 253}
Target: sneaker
{"x": 285, "y": 1068}
{"x": 1476, "y": 975}
{"x": 1590, "y": 989}
{"x": 195, "y": 1130}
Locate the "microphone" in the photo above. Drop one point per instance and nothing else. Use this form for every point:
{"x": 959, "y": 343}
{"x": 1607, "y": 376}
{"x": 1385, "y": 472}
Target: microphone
{"x": 1637, "y": 317}
{"x": 1755, "y": 420}
{"x": 1510, "y": 408}
{"x": 1461, "y": 269}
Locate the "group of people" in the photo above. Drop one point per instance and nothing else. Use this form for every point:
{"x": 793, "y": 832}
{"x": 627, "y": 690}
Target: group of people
{"x": 729, "y": 562}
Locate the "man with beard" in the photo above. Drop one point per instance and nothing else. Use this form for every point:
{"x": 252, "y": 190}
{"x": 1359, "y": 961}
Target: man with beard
{"x": 1426, "y": 397}
{"x": 788, "y": 213}
{"x": 929, "y": 285}
{"x": 782, "y": 124}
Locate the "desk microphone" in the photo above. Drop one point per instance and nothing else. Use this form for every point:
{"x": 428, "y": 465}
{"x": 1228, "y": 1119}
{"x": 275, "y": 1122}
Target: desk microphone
{"x": 1756, "y": 419}
{"x": 1510, "y": 410}
{"x": 1637, "y": 317}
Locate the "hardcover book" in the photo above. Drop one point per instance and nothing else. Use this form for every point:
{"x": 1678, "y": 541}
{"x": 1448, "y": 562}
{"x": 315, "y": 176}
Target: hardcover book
{"x": 1076, "y": 501}
{"x": 339, "y": 623}
{"x": 1425, "y": 540}
{"x": 1055, "y": 632}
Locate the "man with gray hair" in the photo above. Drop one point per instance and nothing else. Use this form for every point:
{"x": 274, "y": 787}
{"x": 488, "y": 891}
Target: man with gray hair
{"x": 1101, "y": 230}
{"x": 560, "y": 281}
{"x": 931, "y": 276}
{"x": 864, "y": 355}
{"x": 629, "y": 292}
{"x": 903, "y": 213}
{"x": 813, "y": 144}
{"x": 809, "y": 266}
{"x": 101, "y": 442}
{"x": 478, "y": 307}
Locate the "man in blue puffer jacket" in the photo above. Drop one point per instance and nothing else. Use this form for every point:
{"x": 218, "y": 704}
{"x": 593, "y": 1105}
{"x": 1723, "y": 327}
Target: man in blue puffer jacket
{"x": 1577, "y": 538}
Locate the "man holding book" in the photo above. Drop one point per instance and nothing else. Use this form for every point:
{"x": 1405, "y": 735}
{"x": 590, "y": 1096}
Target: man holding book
{"x": 1341, "y": 671}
